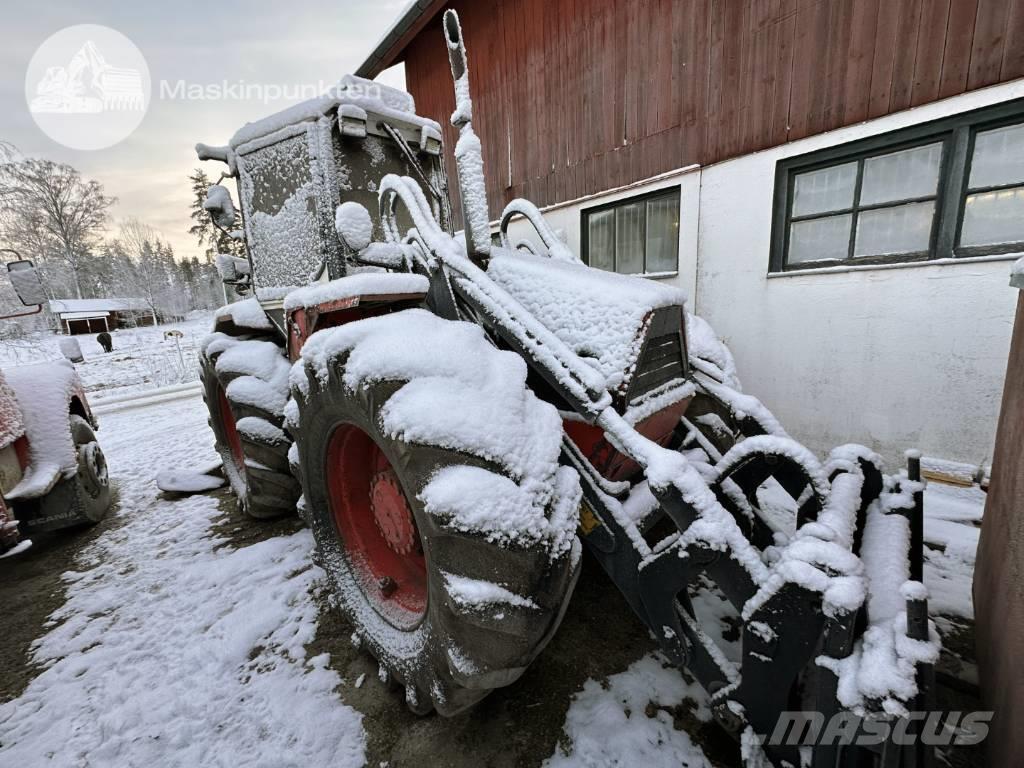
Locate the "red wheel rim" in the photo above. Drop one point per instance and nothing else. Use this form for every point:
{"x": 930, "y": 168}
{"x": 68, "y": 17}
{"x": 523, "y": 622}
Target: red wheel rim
{"x": 376, "y": 526}
{"x": 227, "y": 418}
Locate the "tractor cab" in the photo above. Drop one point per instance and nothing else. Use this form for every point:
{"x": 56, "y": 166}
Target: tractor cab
{"x": 294, "y": 168}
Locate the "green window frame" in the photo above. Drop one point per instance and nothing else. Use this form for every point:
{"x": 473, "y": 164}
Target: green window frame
{"x": 948, "y": 188}
{"x": 637, "y": 235}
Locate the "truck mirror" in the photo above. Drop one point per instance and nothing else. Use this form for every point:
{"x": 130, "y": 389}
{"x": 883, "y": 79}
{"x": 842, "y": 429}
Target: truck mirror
{"x": 353, "y": 224}
{"x": 26, "y": 282}
{"x": 218, "y": 203}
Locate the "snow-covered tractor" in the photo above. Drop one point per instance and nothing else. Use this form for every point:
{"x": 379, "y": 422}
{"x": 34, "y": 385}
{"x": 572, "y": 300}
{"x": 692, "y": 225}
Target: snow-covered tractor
{"x": 453, "y": 416}
{"x": 53, "y": 474}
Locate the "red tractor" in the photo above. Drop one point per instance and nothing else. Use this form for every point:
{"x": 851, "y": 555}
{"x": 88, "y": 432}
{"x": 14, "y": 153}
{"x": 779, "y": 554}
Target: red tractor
{"x": 53, "y": 473}
{"x": 455, "y": 416}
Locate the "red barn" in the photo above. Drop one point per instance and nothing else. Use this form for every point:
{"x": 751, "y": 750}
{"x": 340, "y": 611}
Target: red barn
{"x": 849, "y": 175}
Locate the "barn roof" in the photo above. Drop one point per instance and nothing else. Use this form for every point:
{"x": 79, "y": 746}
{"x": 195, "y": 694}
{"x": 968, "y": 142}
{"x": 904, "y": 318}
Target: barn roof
{"x": 408, "y": 24}
{"x": 102, "y": 306}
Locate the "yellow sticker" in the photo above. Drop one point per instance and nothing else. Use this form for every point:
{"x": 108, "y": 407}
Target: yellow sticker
{"x": 588, "y": 520}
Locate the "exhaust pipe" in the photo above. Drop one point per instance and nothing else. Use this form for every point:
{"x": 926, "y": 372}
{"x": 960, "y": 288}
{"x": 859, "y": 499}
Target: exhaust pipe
{"x": 469, "y": 161}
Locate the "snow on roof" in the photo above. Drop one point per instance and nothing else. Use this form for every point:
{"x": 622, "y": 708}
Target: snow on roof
{"x": 382, "y": 100}
{"x": 95, "y": 307}
{"x": 83, "y": 315}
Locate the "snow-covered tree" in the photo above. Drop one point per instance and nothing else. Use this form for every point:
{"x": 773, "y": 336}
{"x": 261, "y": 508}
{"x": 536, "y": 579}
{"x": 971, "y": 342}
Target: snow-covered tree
{"x": 50, "y": 213}
{"x": 211, "y": 239}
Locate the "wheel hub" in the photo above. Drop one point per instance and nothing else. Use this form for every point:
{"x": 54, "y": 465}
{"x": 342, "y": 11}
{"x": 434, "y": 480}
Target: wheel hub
{"x": 391, "y": 512}
{"x": 92, "y": 467}
{"x": 375, "y": 526}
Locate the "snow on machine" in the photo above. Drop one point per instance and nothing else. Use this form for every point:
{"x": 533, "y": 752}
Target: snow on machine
{"x": 53, "y": 474}
{"x": 454, "y": 417}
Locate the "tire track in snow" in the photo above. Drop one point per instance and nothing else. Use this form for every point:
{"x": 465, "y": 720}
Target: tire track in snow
{"x": 174, "y": 649}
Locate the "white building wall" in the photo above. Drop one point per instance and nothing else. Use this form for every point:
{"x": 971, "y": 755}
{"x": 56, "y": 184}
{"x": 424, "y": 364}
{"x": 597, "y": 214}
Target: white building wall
{"x": 894, "y": 358}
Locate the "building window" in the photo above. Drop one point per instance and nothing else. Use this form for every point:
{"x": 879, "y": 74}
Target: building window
{"x": 949, "y": 188}
{"x": 636, "y": 236}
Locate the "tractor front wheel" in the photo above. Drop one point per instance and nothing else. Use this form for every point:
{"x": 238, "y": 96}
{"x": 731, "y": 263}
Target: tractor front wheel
{"x": 449, "y": 613}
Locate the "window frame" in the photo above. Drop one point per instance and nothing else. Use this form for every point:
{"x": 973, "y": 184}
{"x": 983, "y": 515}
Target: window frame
{"x": 956, "y": 133}
{"x": 671, "y": 191}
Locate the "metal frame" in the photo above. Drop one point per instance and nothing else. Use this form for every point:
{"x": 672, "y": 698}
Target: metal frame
{"x": 673, "y": 191}
{"x": 956, "y": 133}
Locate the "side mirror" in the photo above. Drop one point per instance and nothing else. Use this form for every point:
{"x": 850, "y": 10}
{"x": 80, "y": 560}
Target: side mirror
{"x": 232, "y": 269}
{"x": 218, "y": 203}
{"x": 26, "y": 282}
{"x": 353, "y": 224}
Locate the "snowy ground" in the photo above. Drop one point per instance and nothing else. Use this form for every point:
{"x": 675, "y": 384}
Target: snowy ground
{"x": 142, "y": 357}
{"x": 186, "y": 635}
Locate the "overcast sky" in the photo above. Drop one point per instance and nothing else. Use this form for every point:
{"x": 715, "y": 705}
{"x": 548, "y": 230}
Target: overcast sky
{"x": 258, "y": 41}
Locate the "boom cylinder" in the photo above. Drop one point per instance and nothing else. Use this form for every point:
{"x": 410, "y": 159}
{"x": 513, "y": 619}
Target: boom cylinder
{"x": 469, "y": 162}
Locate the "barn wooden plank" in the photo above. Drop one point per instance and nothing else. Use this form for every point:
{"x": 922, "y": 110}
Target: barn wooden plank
{"x": 989, "y": 39}
{"x": 765, "y": 74}
{"x": 644, "y": 79}
{"x": 694, "y": 51}
{"x": 741, "y": 127}
{"x": 956, "y": 53}
{"x": 840, "y": 20}
{"x": 732, "y": 92}
{"x": 931, "y": 43}
{"x": 1013, "y": 50}
{"x": 716, "y": 76}
{"x": 520, "y": 160}
{"x": 610, "y": 115}
{"x": 675, "y": 24}
{"x": 807, "y": 100}
{"x": 906, "y": 55}
{"x": 884, "y": 58}
{"x": 786, "y": 23}
{"x": 860, "y": 57}
{"x": 544, "y": 59}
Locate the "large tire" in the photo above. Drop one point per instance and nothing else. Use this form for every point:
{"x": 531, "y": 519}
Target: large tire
{"x": 74, "y": 501}
{"x": 448, "y": 654}
{"x": 248, "y": 430}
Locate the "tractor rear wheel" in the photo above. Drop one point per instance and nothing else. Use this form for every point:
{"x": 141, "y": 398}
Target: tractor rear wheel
{"x": 247, "y": 423}
{"x": 449, "y": 613}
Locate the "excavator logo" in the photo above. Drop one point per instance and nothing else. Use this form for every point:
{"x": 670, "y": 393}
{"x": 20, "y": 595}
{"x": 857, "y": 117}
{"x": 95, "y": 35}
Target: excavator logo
{"x": 89, "y": 84}
{"x": 87, "y": 87}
